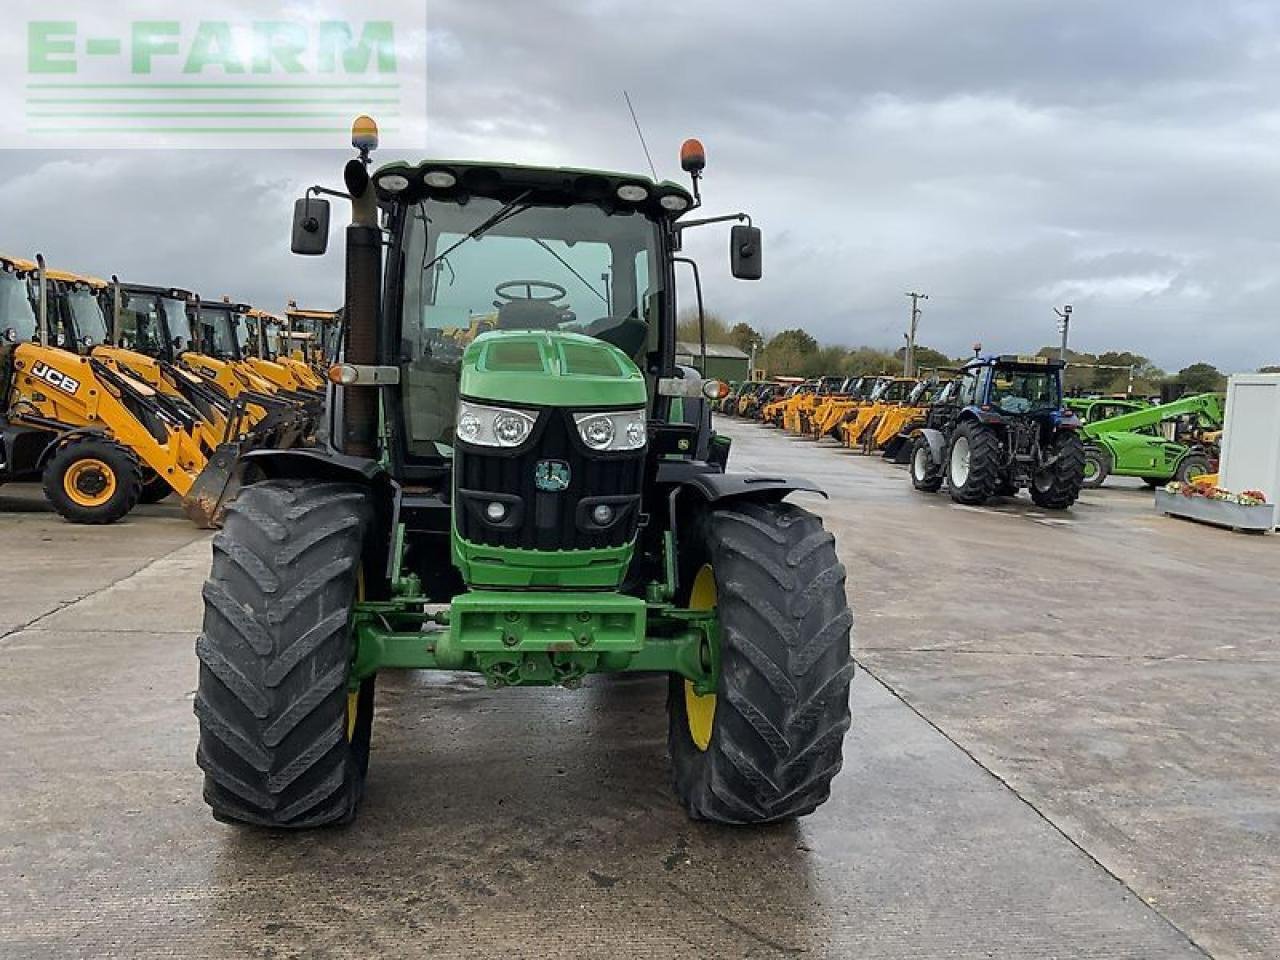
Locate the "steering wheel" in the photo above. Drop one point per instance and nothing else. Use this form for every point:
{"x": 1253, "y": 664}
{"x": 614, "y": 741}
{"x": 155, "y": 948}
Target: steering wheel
{"x": 528, "y": 285}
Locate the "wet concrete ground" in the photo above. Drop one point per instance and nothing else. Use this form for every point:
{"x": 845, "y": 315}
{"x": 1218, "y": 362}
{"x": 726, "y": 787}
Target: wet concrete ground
{"x": 1065, "y": 745}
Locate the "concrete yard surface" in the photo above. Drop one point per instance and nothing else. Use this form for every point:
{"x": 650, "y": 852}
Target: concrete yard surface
{"x": 1064, "y": 745}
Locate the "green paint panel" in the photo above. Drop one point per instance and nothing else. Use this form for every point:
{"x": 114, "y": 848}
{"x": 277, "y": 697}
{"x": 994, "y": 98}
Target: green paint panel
{"x": 538, "y": 639}
{"x": 550, "y": 368}
{"x": 484, "y": 566}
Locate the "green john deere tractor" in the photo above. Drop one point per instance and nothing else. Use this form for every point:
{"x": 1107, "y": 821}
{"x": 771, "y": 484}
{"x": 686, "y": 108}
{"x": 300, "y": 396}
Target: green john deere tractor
{"x": 521, "y": 483}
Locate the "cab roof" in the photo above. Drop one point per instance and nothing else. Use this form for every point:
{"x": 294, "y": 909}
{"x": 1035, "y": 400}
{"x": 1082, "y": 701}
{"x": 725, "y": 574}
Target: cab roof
{"x": 17, "y": 263}
{"x": 66, "y": 276}
{"x": 1016, "y": 360}
{"x": 552, "y": 186}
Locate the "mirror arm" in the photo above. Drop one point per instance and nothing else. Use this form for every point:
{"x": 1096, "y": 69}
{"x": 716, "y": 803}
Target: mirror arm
{"x": 325, "y": 191}
{"x": 686, "y": 224}
{"x": 702, "y": 326}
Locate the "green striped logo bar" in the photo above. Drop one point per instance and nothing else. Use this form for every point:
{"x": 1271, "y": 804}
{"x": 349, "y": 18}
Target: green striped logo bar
{"x": 139, "y": 76}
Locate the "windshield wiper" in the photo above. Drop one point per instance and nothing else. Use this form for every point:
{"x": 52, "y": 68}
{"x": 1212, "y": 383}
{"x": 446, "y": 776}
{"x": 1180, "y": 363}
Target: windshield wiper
{"x": 508, "y": 210}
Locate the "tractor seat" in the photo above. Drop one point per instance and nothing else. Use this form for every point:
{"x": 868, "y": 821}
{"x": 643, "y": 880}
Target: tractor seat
{"x": 628, "y": 334}
{"x": 529, "y": 315}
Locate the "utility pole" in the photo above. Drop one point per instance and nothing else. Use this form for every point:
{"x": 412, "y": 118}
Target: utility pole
{"x": 1064, "y": 327}
{"x": 909, "y": 361}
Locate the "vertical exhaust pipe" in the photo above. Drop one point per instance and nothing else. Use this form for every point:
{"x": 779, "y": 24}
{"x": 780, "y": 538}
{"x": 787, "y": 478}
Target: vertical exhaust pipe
{"x": 363, "y": 307}
{"x": 42, "y": 278}
{"x": 117, "y": 309}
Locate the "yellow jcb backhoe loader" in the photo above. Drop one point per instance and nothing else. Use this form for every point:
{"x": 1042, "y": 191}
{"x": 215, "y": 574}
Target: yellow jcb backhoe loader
{"x": 832, "y": 408}
{"x": 269, "y": 358}
{"x": 86, "y": 429}
{"x": 308, "y": 333}
{"x": 860, "y": 421}
{"x": 916, "y": 405}
{"x": 798, "y": 413}
{"x": 283, "y": 417}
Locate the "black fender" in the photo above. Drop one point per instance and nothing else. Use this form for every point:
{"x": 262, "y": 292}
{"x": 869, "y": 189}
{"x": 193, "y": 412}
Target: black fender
{"x": 308, "y": 463}
{"x": 937, "y": 443}
{"x": 714, "y": 486}
{"x": 51, "y": 447}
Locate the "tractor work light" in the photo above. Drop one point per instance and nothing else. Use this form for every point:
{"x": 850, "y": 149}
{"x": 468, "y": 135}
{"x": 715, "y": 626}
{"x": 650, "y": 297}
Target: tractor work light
{"x": 612, "y": 431}
{"x": 492, "y": 426}
{"x": 393, "y": 182}
{"x": 673, "y": 202}
{"x": 633, "y": 193}
{"x": 439, "y": 179}
{"x": 602, "y": 515}
{"x": 496, "y": 512}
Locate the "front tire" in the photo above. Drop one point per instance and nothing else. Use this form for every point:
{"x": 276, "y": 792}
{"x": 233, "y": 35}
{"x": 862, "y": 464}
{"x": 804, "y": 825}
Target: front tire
{"x": 973, "y": 464}
{"x": 92, "y": 480}
{"x": 773, "y": 740}
{"x": 925, "y": 474}
{"x": 284, "y": 741}
{"x": 1097, "y": 467}
{"x": 1057, "y": 486}
{"x": 1193, "y": 465}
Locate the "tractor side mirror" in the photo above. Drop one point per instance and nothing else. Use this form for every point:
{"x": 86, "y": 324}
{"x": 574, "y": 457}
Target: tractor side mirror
{"x": 745, "y": 254}
{"x": 310, "y": 226}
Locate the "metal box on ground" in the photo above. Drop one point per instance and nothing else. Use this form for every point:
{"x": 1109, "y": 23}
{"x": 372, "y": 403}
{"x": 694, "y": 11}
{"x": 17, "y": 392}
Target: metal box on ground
{"x": 1220, "y": 513}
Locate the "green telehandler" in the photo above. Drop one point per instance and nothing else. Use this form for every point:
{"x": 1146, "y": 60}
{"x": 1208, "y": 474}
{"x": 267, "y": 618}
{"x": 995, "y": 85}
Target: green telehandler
{"x": 1170, "y": 441}
{"x": 534, "y": 503}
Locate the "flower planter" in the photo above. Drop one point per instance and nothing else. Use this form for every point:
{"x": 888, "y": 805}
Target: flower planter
{"x": 1220, "y": 513}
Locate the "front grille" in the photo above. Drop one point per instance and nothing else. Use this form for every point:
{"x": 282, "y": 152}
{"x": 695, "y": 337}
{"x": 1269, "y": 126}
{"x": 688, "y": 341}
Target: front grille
{"x": 541, "y": 520}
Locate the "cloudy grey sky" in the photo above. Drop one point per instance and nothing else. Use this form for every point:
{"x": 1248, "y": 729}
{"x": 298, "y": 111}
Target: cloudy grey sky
{"x": 1004, "y": 156}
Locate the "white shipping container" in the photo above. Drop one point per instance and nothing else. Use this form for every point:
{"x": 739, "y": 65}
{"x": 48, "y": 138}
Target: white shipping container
{"x": 1251, "y": 440}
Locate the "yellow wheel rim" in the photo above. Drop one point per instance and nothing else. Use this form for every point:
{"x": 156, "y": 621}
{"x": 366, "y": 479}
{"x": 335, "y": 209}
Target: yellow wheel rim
{"x": 701, "y": 708}
{"x": 353, "y": 696}
{"x": 89, "y": 482}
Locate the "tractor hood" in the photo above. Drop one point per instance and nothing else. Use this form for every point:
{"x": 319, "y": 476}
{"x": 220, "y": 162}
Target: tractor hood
{"x": 550, "y": 368}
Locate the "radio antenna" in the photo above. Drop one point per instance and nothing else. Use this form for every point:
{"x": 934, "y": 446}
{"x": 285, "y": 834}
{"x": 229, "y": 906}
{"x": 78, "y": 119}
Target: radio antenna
{"x": 640, "y": 133}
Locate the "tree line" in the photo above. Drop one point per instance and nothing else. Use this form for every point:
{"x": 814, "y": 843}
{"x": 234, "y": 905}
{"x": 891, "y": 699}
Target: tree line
{"x": 797, "y": 353}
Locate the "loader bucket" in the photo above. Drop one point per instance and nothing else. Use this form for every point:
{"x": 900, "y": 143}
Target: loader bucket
{"x": 218, "y": 483}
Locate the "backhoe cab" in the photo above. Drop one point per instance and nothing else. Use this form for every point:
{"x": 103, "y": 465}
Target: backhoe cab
{"x": 523, "y": 484}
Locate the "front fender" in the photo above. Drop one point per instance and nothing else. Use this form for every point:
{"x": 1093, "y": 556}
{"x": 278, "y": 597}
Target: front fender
{"x": 937, "y": 443}
{"x": 309, "y": 463}
{"x": 714, "y": 486}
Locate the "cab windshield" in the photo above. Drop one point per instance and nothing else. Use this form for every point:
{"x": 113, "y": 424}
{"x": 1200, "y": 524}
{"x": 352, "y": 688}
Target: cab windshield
{"x": 578, "y": 269}
{"x": 216, "y": 334}
{"x": 178, "y": 323}
{"x": 87, "y": 316}
{"x": 17, "y": 316}
{"x": 1024, "y": 391}
{"x": 140, "y": 324}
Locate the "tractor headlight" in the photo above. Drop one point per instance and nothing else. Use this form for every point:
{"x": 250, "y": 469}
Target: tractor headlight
{"x": 492, "y": 426}
{"x": 612, "y": 431}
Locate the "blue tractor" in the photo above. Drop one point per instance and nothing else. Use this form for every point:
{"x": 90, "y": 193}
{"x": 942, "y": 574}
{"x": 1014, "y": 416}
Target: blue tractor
{"x": 1008, "y": 429}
